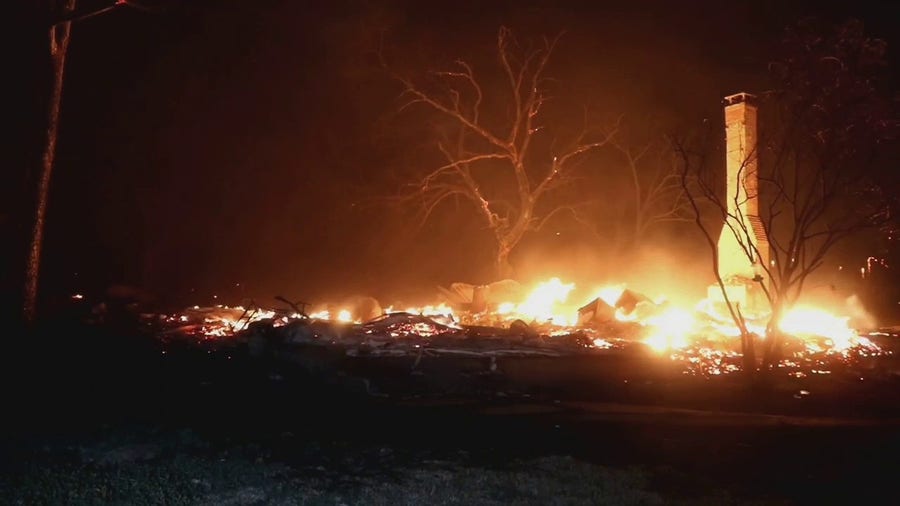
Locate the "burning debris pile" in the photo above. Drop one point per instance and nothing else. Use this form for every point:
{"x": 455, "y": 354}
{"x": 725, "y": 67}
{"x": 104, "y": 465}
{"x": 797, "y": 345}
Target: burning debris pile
{"x": 481, "y": 321}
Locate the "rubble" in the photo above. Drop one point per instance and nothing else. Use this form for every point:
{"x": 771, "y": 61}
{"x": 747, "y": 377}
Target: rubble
{"x": 596, "y": 311}
{"x": 701, "y": 341}
{"x": 630, "y": 299}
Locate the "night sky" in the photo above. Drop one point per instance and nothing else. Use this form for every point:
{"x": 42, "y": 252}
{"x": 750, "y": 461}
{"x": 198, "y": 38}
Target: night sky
{"x": 211, "y": 144}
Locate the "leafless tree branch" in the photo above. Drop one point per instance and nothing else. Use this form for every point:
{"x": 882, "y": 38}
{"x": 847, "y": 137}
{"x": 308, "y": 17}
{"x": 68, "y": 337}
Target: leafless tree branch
{"x": 513, "y": 149}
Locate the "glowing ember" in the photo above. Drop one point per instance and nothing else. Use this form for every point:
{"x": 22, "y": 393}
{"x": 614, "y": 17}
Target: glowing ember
{"x": 704, "y": 339}
{"x": 670, "y": 329}
{"x": 806, "y": 322}
{"x": 439, "y": 310}
{"x": 602, "y": 344}
{"x": 320, "y": 315}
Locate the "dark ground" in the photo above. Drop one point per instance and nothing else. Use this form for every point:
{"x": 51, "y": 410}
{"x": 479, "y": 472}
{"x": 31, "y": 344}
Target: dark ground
{"x": 103, "y": 415}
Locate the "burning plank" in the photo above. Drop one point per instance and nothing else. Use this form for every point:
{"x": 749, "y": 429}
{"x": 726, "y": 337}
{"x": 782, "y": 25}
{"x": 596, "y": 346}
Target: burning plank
{"x": 596, "y": 311}
{"x": 630, "y": 299}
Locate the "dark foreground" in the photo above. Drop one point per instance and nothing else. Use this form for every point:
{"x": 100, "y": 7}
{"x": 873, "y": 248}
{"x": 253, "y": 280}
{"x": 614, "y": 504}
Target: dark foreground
{"x": 103, "y": 416}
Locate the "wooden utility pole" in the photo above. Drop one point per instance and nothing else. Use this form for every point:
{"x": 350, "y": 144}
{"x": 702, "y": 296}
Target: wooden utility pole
{"x": 59, "y": 45}
{"x": 60, "y": 33}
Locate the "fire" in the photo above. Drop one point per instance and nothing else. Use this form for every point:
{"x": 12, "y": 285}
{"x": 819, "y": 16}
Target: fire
{"x": 610, "y": 294}
{"x": 542, "y": 305}
{"x": 506, "y": 308}
{"x": 670, "y": 329}
{"x": 703, "y": 338}
{"x": 223, "y": 320}
{"x": 549, "y": 303}
{"x": 438, "y": 310}
{"x": 321, "y": 315}
{"x": 809, "y": 322}
{"x": 723, "y": 324}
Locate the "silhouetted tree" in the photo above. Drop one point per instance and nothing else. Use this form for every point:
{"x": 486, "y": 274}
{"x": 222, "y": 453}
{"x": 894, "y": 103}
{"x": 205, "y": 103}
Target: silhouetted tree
{"x": 653, "y": 195}
{"x": 822, "y": 129}
{"x": 503, "y": 153}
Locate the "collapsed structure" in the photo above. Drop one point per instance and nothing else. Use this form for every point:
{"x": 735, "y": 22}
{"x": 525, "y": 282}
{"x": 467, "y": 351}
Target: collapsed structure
{"x": 503, "y": 319}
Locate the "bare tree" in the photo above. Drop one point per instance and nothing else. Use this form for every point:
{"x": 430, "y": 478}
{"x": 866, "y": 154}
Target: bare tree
{"x": 824, "y": 125}
{"x": 501, "y": 151}
{"x": 702, "y": 194}
{"x": 657, "y": 195}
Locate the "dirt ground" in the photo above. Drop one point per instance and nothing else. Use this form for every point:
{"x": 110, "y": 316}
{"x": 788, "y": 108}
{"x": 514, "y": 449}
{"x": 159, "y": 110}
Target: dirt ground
{"x": 100, "y": 417}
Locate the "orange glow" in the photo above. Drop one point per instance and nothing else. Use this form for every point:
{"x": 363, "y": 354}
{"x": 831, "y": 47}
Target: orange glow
{"x": 808, "y": 322}
{"x": 438, "y": 310}
{"x": 544, "y": 301}
{"x": 670, "y": 329}
{"x": 320, "y": 315}
{"x": 344, "y": 316}
{"x": 704, "y": 337}
{"x": 610, "y": 294}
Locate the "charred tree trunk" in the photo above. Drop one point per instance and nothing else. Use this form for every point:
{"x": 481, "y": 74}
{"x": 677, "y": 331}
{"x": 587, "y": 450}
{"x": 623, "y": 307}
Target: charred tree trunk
{"x": 505, "y": 147}
{"x": 509, "y": 238}
{"x": 748, "y": 348}
{"x": 59, "y": 45}
{"x": 503, "y": 267}
{"x": 774, "y": 338}
{"x": 748, "y": 353}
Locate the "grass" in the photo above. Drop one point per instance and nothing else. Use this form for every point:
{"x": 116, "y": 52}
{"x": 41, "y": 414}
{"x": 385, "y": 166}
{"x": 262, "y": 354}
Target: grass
{"x": 182, "y": 469}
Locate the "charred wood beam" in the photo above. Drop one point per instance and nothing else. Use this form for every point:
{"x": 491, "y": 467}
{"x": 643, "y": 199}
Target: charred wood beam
{"x": 299, "y": 307}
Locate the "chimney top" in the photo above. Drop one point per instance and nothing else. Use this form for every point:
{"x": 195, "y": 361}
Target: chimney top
{"x": 739, "y": 98}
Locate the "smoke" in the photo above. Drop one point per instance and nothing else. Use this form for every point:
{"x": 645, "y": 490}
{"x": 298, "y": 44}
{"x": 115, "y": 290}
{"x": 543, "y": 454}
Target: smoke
{"x": 676, "y": 273}
{"x": 860, "y": 318}
{"x": 678, "y": 270}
